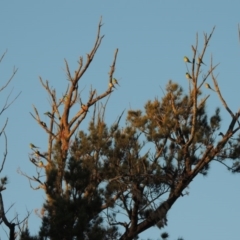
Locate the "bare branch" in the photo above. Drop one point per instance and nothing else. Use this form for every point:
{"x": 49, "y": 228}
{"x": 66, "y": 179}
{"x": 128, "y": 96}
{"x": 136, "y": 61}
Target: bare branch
{"x": 10, "y": 79}
{"x": 7, "y": 105}
{"x": 91, "y": 101}
{"x": 42, "y": 124}
{"x": 113, "y": 66}
{"x": 220, "y": 95}
{"x": 11, "y": 226}
{"x": 33, "y": 179}
{"x": 94, "y": 50}
{"x": 206, "y": 41}
{"x": 5, "y": 153}
{"x": 4, "y": 127}
{"x": 68, "y": 70}
{"x": 1, "y": 58}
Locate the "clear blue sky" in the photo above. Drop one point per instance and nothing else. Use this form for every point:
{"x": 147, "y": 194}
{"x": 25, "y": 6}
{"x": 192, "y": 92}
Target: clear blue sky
{"x": 152, "y": 37}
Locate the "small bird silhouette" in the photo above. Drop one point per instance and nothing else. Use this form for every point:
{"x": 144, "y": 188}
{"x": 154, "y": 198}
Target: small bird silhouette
{"x": 200, "y": 61}
{"x": 84, "y": 108}
{"x": 186, "y": 59}
{"x": 188, "y": 76}
{"x": 209, "y": 87}
{"x": 33, "y": 160}
{"x": 32, "y": 146}
{"x": 37, "y": 154}
{"x": 221, "y": 134}
{"x": 43, "y": 124}
{"x": 111, "y": 85}
{"x": 40, "y": 164}
{"x": 64, "y": 98}
{"x": 115, "y": 81}
{"x": 49, "y": 114}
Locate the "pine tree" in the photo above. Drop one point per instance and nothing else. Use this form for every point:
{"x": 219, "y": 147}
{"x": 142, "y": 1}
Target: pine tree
{"x": 25, "y": 235}
{"x": 137, "y": 171}
{"x": 71, "y": 215}
{"x": 73, "y": 204}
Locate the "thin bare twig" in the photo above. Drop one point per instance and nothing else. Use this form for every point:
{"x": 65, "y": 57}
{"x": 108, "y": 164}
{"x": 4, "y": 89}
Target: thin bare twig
{"x": 7, "y": 105}
{"x": 5, "y": 153}
{"x": 10, "y": 79}
{"x": 220, "y": 95}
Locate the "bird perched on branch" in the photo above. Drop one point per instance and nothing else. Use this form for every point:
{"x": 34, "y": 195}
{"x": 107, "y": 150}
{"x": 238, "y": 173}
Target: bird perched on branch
{"x": 221, "y": 134}
{"x": 209, "y": 87}
{"x": 186, "y": 59}
{"x": 114, "y": 81}
{"x": 84, "y": 108}
{"x": 111, "y": 85}
{"x": 64, "y": 98}
{"x": 37, "y": 154}
{"x": 33, "y": 160}
{"x": 200, "y": 61}
{"x": 40, "y": 164}
{"x": 32, "y": 146}
{"x": 49, "y": 114}
{"x": 188, "y": 76}
{"x": 43, "y": 124}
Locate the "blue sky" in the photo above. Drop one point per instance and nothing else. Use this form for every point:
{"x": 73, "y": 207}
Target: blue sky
{"x": 152, "y": 38}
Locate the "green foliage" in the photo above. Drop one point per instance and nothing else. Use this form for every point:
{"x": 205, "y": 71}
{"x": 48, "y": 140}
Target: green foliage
{"x": 129, "y": 170}
{"x": 72, "y": 215}
{"x": 138, "y": 171}
{"x": 25, "y": 235}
